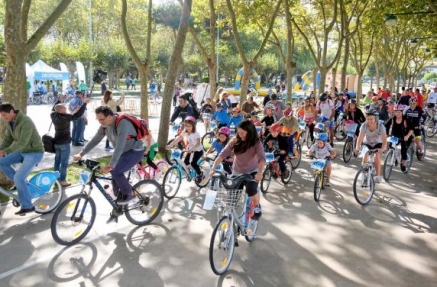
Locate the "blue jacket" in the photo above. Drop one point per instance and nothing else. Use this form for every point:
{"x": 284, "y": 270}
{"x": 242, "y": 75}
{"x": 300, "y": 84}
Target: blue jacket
{"x": 222, "y": 117}
{"x": 235, "y": 120}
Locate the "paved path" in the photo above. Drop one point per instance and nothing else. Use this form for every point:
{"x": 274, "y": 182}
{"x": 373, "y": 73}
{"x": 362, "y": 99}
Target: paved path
{"x": 336, "y": 242}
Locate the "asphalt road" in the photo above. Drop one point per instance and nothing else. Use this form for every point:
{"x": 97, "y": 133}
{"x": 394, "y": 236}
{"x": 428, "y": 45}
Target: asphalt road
{"x": 336, "y": 242}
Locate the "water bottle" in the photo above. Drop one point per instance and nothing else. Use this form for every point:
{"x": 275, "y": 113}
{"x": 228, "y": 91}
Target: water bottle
{"x": 232, "y": 127}
{"x": 109, "y": 190}
{"x": 192, "y": 173}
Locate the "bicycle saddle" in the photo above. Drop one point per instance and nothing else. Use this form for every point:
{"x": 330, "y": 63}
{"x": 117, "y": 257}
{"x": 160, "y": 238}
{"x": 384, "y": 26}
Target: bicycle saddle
{"x": 233, "y": 182}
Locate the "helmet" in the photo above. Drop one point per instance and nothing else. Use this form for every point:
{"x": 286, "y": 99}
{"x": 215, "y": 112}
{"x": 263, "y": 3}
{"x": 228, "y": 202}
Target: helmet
{"x": 288, "y": 112}
{"x": 225, "y": 131}
{"x": 398, "y": 107}
{"x": 353, "y": 101}
{"x": 371, "y": 112}
{"x": 390, "y": 101}
{"x": 270, "y": 106}
{"x": 274, "y": 97}
{"x": 413, "y": 100}
{"x": 323, "y": 97}
{"x": 236, "y": 109}
{"x": 276, "y": 127}
{"x": 322, "y": 137}
{"x": 190, "y": 119}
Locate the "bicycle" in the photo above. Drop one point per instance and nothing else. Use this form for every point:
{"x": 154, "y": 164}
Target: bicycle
{"x": 304, "y": 134}
{"x": 208, "y": 137}
{"x": 340, "y": 131}
{"x": 75, "y": 217}
{"x": 232, "y": 223}
{"x": 45, "y": 190}
{"x": 174, "y": 175}
{"x": 351, "y": 141}
{"x": 272, "y": 170}
{"x": 431, "y": 127}
{"x": 319, "y": 173}
{"x": 365, "y": 178}
{"x": 140, "y": 172}
{"x": 393, "y": 157}
{"x": 177, "y": 130}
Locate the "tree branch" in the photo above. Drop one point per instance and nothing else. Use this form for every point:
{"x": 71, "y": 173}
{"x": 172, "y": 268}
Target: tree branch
{"x": 126, "y": 37}
{"x": 25, "y": 8}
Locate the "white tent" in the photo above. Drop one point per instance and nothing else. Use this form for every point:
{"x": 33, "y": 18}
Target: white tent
{"x": 42, "y": 72}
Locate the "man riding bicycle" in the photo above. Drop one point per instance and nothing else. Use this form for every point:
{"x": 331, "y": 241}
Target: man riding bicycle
{"x": 414, "y": 118}
{"x": 128, "y": 150}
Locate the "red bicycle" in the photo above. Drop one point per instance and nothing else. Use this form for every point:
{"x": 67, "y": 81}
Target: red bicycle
{"x": 272, "y": 170}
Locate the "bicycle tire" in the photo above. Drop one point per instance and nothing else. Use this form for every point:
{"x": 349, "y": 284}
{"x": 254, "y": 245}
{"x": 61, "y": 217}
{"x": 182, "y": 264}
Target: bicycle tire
{"x": 172, "y": 182}
{"x": 367, "y": 185}
{"x": 347, "y": 150}
{"x": 205, "y": 167}
{"x": 318, "y": 182}
{"x": 50, "y": 200}
{"x": 147, "y": 191}
{"x": 251, "y": 229}
{"x": 59, "y": 227}
{"x": 410, "y": 157}
{"x": 388, "y": 164}
{"x": 207, "y": 140}
{"x": 421, "y": 157}
{"x": 225, "y": 235}
{"x": 431, "y": 129}
{"x": 309, "y": 141}
{"x": 266, "y": 179}
{"x": 339, "y": 132}
{"x": 289, "y": 167}
{"x": 302, "y": 137}
{"x": 295, "y": 160}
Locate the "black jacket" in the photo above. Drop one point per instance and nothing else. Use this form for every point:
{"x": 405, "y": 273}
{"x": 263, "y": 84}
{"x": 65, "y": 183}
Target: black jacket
{"x": 61, "y": 122}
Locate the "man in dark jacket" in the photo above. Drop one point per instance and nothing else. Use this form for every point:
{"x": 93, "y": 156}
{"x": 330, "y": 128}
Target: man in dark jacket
{"x": 183, "y": 110}
{"x": 61, "y": 121}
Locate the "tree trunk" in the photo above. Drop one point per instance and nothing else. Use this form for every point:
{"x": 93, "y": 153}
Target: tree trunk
{"x": 144, "y": 112}
{"x": 212, "y": 79}
{"x": 345, "y": 63}
{"x": 359, "y": 86}
{"x": 172, "y": 74}
{"x": 334, "y": 76}
{"x": 323, "y": 71}
{"x": 245, "y": 82}
{"x": 289, "y": 70}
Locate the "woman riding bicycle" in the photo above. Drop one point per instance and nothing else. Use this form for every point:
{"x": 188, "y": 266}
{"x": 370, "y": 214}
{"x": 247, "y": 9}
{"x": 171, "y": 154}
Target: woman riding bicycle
{"x": 355, "y": 114}
{"x": 397, "y": 127}
{"x": 249, "y": 158}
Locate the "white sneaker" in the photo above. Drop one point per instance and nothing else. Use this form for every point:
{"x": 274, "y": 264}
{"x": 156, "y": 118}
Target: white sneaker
{"x": 379, "y": 179}
{"x": 158, "y": 175}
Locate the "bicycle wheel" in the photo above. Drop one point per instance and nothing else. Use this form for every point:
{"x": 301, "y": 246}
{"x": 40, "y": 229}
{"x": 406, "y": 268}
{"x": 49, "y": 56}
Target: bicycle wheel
{"x": 163, "y": 166}
{"x": 73, "y": 219}
{"x": 172, "y": 182}
{"x": 207, "y": 140}
{"x": 339, "y": 132}
{"x": 318, "y": 186}
{"x": 134, "y": 175}
{"x": 289, "y": 172}
{"x": 431, "y": 129}
{"x": 347, "y": 150}
{"x": 205, "y": 167}
{"x": 388, "y": 164}
{"x": 266, "y": 179}
{"x": 295, "y": 160}
{"x": 150, "y": 200}
{"x": 309, "y": 141}
{"x": 410, "y": 156}
{"x": 222, "y": 246}
{"x": 302, "y": 138}
{"x": 364, "y": 186}
{"x": 251, "y": 229}
{"x": 50, "y": 200}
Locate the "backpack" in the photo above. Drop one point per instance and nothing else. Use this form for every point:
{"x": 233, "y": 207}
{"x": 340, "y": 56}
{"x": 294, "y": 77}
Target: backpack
{"x": 140, "y": 125}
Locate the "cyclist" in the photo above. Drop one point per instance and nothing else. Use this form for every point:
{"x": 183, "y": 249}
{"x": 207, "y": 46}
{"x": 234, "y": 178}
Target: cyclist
{"x": 290, "y": 127}
{"x": 192, "y": 138}
{"x": 218, "y": 145}
{"x": 221, "y": 116}
{"x": 397, "y": 127}
{"x": 249, "y": 157}
{"x": 21, "y": 143}
{"x": 432, "y": 99}
{"x": 150, "y": 148}
{"x": 183, "y": 110}
{"x": 128, "y": 150}
{"x": 321, "y": 150}
{"x": 269, "y": 118}
{"x": 249, "y": 106}
{"x": 355, "y": 114}
{"x": 414, "y": 119}
{"x": 206, "y": 110}
{"x": 278, "y": 144}
{"x": 279, "y": 106}
{"x": 236, "y": 117}
{"x": 373, "y": 135}
{"x": 326, "y": 108}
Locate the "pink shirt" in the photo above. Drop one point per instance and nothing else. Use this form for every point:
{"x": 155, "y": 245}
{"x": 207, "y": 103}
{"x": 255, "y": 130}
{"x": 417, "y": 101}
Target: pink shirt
{"x": 246, "y": 162}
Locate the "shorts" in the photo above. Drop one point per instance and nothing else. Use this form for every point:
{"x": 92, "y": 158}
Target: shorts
{"x": 331, "y": 124}
{"x": 251, "y": 186}
{"x": 417, "y": 134}
{"x": 377, "y": 146}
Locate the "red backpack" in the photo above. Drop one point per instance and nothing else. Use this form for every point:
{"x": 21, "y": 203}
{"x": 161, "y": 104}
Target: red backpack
{"x": 140, "y": 125}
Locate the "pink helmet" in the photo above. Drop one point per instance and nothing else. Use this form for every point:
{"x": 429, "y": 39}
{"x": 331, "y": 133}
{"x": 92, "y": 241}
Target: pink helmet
{"x": 225, "y": 131}
{"x": 398, "y": 107}
{"x": 190, "y": 119}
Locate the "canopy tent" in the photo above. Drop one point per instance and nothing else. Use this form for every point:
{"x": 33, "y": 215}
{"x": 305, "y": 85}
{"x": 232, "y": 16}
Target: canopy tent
{"x": 42, "y": 72}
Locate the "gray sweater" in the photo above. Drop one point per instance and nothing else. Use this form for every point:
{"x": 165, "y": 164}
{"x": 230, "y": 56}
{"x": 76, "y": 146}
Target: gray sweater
{"x": 119, "y": 140}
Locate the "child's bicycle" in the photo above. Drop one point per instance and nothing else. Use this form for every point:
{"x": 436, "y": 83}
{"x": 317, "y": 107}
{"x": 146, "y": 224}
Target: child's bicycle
{"x": 174, "y": 175}
{"x": 210, "y": 135}
{"x": 351, "y": 141}
{"x": 235, "y": 210}
{"x": 177, "y": 130}
{"x": 76, "y": 215}
{"x": 319, "y": 168}
{"x": 45, "y": 191}
{"x": 140, "y": 172}
{"x": 272, "y": 170}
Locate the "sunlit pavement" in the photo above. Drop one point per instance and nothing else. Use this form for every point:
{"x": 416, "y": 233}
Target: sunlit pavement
{"x": 336, "y": 242}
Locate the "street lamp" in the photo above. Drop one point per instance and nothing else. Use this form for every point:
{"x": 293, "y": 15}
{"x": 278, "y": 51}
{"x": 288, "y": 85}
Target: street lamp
{"x": 391, "y": 19}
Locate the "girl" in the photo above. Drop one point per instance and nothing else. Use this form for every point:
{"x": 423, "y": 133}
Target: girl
{"x": 192, "y": 138}
{"x": 150, "y": 148}
{"x": 309, "y": 116}
{"x": 397, "y": 127}
{"x": 322, "y": 149}
{"x": 218, "y": 145}
{"x": 236, "y": 117}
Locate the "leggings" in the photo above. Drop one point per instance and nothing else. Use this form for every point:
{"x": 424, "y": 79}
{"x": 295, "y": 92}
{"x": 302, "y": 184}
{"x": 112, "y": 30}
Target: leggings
{"x": 311, "y": 129}
{"x": 150, "y": 162}
{"x": 196, "y": 156}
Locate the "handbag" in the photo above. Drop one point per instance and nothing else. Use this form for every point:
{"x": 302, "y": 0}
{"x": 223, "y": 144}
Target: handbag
{"x": 48, "y": 141}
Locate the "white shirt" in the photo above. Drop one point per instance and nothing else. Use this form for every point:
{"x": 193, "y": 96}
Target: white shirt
{"x": 321, "y": 153}
{"x": 432, "y": 98}
{"x": 191, "y": 140}
{"x": 325, "y": 108}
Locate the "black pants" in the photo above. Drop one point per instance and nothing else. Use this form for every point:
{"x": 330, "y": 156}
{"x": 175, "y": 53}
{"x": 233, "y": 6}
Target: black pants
{"x": 150, "y": 162}
{"x": 196, "y": 156}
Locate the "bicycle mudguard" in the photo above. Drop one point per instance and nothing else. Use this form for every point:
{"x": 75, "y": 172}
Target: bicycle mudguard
{"x": 45, "y": 179}
{"x": 232, "y": 182}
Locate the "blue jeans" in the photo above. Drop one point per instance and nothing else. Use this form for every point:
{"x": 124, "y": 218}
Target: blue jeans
{"x": 290, "y": 141}
{"x": 78, "y": 129}
{"x": 127, "y": 160}
{"x": 19, "y": 176}
{"x": 62, "y": 154}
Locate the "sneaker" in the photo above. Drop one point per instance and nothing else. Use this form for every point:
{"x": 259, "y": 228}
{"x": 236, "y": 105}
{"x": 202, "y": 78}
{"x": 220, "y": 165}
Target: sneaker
{"x": 158, "y": 174}
{"x": 23, "y": 211}
{"x": 108, "y": 148}
{"x": 126, "y": 200}
{"x": 327, "y": 184}
{"x": 403, "y": 168}
{"x": 65, "y": 183}
{"x": 257, "y": 212}
{"x": 379, "y": 179}
{"x": 200, "y": 177}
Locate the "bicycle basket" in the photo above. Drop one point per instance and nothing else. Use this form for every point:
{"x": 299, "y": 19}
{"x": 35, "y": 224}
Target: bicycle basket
{"x": 228, "y": 198}
{"x": 302, "y": 125}
{"x": 350, "y": 126}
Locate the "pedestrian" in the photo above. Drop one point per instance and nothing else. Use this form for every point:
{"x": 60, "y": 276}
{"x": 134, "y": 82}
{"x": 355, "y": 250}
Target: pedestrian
{"x": 82, "y": 87}
{"x": 176, "y": 92}
{"x": 61, "y": 121}
{"x": 127, "y": 153}
{"x": 132, "y": 82}
{"x": 21, "y": 144}
{"x": 127, "y": 81}
{"x": 78, "y": 124}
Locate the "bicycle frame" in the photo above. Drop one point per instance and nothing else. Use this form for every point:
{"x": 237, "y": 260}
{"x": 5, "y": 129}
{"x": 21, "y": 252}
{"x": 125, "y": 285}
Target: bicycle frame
{"x": 183, "y": 168}
{"x": 93, "y": 179}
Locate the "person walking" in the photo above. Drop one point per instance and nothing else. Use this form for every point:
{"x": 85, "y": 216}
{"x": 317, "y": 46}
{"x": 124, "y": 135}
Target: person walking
{"x": 21, "y": 144}
{"x": 78, "y": 124}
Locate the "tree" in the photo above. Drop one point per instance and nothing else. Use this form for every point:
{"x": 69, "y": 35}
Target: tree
{"x": 172, "y": 73}
{"x": 19, "y": 45}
